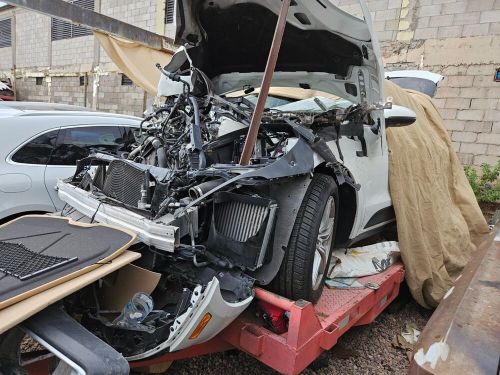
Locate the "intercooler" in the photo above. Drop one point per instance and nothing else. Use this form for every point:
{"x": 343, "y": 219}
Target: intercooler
{"x": 242, "y": 228}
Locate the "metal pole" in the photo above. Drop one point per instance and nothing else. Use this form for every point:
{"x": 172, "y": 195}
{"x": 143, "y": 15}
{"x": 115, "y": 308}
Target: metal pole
{"x": 96, "y": 21}
{"x": 253, "y": 130}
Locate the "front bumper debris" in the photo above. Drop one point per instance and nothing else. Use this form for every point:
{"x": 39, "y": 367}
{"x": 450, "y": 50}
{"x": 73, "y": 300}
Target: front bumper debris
{"x": 202, "y": 302}
{"x": 152, "y": 233}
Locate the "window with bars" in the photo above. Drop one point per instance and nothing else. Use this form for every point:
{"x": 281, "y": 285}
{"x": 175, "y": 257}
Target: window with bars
{"x": 5, "y": 33}
{"x": 64, "y": 30}
{"x": 170, "y": 11}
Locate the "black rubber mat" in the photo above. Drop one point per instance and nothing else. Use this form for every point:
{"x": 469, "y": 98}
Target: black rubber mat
{"x": 37, "y": 250}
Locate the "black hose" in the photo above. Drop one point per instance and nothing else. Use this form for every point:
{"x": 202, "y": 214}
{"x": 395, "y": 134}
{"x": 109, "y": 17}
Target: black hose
{"x": 196, "y": 134}
{"x": 198, "y": 190}
{"x": 160, "y": 153}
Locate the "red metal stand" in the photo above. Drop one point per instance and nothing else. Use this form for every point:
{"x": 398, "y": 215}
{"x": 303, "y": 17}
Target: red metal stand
{"x": 312, "y": 329}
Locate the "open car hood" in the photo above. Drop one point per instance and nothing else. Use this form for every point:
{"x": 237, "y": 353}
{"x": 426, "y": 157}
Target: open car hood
{"x": 229, "y": 41}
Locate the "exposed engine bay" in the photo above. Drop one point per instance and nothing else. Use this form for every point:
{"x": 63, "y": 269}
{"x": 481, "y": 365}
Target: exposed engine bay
{"x": 216, "y": 221}
{"x": 214, "y": 228}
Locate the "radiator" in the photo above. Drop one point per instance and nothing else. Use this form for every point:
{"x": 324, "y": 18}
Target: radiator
{"x": 124, "y": 182}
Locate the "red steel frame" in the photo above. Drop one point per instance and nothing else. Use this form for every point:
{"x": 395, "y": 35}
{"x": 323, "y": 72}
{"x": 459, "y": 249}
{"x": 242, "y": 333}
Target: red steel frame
{"x": 312, "y": 329}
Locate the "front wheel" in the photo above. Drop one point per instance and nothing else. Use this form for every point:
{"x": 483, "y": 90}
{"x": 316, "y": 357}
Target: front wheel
{"x": 305, "y": 265}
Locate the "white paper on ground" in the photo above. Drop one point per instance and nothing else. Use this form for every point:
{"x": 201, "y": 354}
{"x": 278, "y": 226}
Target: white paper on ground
{"x": 363, "y": 261}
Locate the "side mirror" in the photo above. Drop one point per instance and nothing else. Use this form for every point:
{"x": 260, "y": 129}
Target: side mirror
{"x": 399, "y": 116}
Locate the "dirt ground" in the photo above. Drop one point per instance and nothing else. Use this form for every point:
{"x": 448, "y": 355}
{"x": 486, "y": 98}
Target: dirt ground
{"x": 362, "y": 350}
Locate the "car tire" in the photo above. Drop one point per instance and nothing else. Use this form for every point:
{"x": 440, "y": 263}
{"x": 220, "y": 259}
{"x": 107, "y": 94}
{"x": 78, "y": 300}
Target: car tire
{"x": 295, "y": 278}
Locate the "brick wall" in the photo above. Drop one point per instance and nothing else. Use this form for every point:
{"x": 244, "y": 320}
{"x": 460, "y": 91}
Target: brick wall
{"x": 460, "y": 40}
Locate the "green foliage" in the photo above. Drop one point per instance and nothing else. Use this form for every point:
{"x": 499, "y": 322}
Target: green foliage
{"x": 487, "y": 186}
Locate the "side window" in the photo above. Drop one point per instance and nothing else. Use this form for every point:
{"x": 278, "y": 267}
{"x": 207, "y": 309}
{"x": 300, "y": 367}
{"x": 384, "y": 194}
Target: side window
{"x": 77, "y": 143}
{"x": 38, "y": 150}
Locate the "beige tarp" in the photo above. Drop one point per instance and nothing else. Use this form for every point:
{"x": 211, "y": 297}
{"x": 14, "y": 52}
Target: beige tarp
{"x": 135, "y": 60}
{"x": 439, "y": 221}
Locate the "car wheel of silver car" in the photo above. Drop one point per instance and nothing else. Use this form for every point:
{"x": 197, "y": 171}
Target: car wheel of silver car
{"x": 304, "y": 268}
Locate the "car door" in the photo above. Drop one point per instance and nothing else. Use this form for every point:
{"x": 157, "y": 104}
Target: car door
{"x": 22, "y": 185}
{"x": 77, "y": 142}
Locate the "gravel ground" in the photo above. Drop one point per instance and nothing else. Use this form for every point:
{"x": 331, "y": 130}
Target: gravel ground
{"x": 362, "y": 350}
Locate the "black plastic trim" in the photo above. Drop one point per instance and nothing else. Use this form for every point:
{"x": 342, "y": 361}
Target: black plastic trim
{"x": 381, "y": 216}
{"x": 67, "y": 336}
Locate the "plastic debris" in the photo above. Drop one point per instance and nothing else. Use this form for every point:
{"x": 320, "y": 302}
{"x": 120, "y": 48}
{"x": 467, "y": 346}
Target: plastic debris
{"x": 363, "y": 261}
{"x": 407, "y": 339}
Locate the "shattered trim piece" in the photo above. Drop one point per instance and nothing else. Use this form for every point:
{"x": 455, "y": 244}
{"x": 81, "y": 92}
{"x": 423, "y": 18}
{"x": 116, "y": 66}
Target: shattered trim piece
{"x": 210, "y": 300}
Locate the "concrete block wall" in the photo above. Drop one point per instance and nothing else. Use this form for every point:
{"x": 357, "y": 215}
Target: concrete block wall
{"x": 456, "y": 38}
{"x": 28, "y": 90}
{"x": 77, "y": 52}
{"x": 32, "y": 39}
{"x": 113, "y": 97}
{"x": 140, "y": 13}
{"x": 67, "y": 90}
{"x": 61, "y": 62}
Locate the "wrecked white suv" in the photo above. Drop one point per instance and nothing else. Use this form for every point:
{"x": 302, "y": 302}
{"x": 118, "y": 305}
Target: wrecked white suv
{"x": 214, "y": 229}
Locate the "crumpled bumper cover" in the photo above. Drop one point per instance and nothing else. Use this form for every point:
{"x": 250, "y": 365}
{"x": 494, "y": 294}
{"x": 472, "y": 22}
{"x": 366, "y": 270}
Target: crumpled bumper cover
{"x": 202, "y": 301}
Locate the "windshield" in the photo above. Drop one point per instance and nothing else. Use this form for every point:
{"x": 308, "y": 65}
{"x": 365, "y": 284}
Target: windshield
{"x": 316, "y": 104}
{"x": 297, "y": 100}
{"x": 271, "y": 101}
